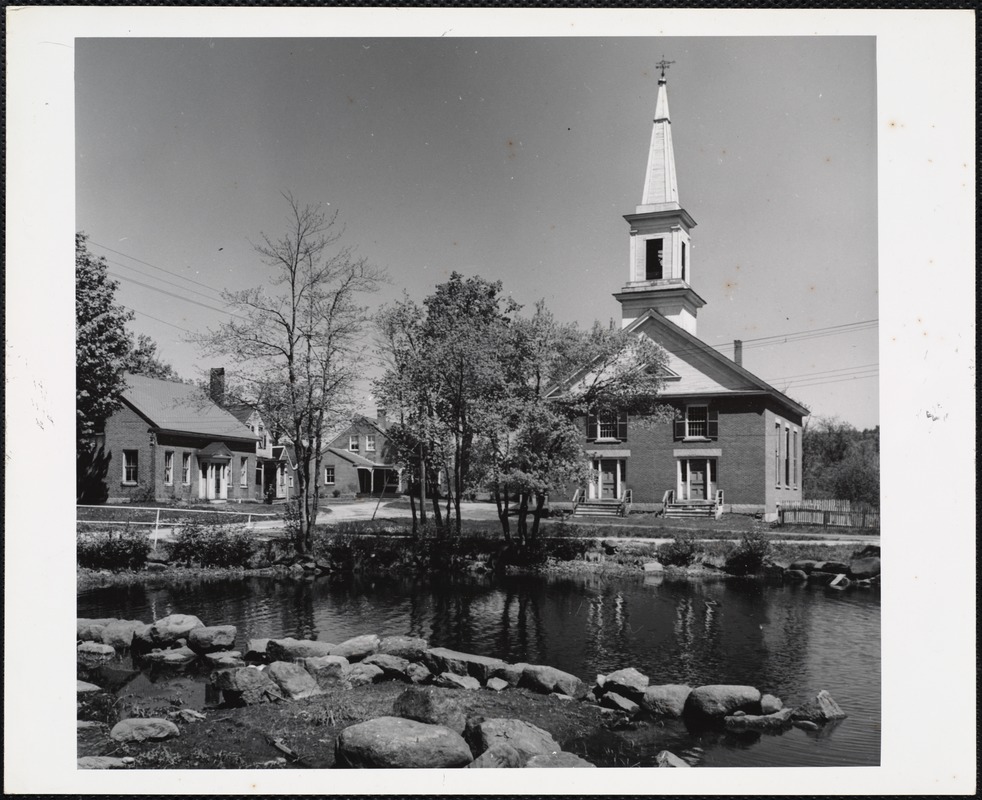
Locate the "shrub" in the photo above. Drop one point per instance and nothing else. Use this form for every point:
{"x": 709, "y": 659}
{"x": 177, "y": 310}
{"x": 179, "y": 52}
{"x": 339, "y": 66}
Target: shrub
{"x": 211, "y": 544}
{"x": 115, "y": 550}
{"x": 749, "y": 555}
{"x": 680, "y": 552}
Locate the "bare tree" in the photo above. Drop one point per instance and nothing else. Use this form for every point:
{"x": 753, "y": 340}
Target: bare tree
{"x": 296, "y": 342}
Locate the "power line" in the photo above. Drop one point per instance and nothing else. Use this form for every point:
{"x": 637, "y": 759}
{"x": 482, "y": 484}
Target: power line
{"x": 154, "y": 266}
{"x": 162, "y": 280}
{"x": 157, "y": 319}
{"x": 177, "y": 296}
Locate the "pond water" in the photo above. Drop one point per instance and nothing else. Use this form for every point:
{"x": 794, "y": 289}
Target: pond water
{"x": 790, "y": 641}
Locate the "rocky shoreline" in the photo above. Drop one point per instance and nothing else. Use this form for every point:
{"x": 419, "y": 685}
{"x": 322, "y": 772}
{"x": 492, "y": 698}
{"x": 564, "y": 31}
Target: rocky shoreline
{"x": 861, "y": 572}
{"x": 431, "y": 722}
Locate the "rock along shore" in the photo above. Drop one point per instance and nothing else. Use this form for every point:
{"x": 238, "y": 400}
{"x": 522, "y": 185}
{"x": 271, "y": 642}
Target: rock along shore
{"x": 430, "y": 723}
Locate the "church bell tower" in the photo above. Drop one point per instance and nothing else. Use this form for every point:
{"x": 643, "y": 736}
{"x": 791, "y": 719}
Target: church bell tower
{"x": 660, "y": 262}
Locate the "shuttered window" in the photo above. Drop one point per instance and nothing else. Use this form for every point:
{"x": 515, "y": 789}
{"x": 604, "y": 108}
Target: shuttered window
{"x": 697, "y": 422}
{"x": 606, "y": 426}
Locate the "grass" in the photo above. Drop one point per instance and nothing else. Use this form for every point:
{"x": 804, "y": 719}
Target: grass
{"x": 147, "y": 512}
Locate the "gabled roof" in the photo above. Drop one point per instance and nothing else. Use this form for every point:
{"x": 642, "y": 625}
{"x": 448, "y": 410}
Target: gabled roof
{"x": 182, "y": 408}
{"x": 356, "y": 459}
{"x": 241, "y": 411}
{"x": 702, "y": 369}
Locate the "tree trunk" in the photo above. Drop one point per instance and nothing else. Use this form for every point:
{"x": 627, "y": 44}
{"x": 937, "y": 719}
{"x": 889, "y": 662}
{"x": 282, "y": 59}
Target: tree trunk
{"x": 412, "y": 507}
{"x": 502, "y": 513}
{"x": 523, "y": 510}
{"x": 540, "y": 502}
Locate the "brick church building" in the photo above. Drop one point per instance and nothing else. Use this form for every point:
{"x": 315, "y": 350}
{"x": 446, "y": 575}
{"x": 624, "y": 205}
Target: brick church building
{"x": 735, "y": 443}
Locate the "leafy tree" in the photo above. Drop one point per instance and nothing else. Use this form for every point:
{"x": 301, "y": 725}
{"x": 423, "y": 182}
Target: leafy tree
{"x": 297, "y": 340}
{"x": 143, "y": 360}
{"x": 841, "y": 462}
{"x": 494, "y": 397}
{"x": 102, "y": 345}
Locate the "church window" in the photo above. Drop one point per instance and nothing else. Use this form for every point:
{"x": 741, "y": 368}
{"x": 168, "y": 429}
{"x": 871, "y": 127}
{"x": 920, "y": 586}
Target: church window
{"x": 654, "y": 260}
{"x": 684, "y": 248}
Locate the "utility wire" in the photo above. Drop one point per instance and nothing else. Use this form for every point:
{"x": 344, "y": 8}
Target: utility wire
{"x": 154, "y": 266}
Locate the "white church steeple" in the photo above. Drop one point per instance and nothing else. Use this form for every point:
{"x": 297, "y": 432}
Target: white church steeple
{"x": 660, "y": 268}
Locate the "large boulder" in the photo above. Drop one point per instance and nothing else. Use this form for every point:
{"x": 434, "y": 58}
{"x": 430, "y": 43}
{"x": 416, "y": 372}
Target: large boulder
{"x": 326, "y": 670}
{"x": 619, "y": 703}
{"x": 529, "y": 740}
{"x": 410, "y": 648}
{"x": 498, "y": 756}
{"x": 396, "y": 742}
{"x": 104, "y": 762}
{"x": 363, "y": 674}
{"x": 394, "y": 667}
{"x": 417, "y": 673}
{"x": 820, "y": 709}
{"x": 510, "y": 673}
{"x": 177, "y": 657}
{"x": 90, "y": 630}
{"x": 290, "y": 649}
{"x": 294, "y": 681}
{"x": 668, "y": 759}
{"x": 769, "y": 704}
{"x": 91, "y": 654}
{"x": 720, "y": 700}
{"x": 246, "y": 686}
{"x": 425, "y": 704}
{"x": 255, "y": 652}
{"x": 758, "y": 722}
{"x": 441, "y": 659}
{"x": 561, "y": 760}
{"x": 803, "y": 564}
{"x": 120, "y": 633}
{"x": 83, "y": 687}
{"x": 666, "y": 700}
{"x": 143, "y": 729}
{"x": 540, "y": 678}
{"x": 627, "y": 682}
{"x": 167, "y": 630}
{"x": 795, "y": 576}
{"x": 835, "y": 567}
{"x": 225, "y": 659}
{"x": 357, "y": 648}
{"x": 864, "y": 567}
{"x": 450, "y": 680}
{"x": 210, "y": 639}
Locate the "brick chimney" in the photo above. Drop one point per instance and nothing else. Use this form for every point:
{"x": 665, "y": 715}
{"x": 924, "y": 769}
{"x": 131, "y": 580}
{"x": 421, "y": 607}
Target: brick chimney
{"x": 216, "y": 388}
{"x": 738, "y": 352}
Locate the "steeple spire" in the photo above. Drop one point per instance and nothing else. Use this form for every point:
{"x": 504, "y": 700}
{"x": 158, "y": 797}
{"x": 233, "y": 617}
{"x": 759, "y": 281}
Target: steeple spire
{"x": 661, "y": 188}
{"x": 659, "y": 268}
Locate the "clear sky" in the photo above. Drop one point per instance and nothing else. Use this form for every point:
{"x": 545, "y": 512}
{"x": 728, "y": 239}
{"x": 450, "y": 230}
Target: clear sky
{"x": 510, "y": 158}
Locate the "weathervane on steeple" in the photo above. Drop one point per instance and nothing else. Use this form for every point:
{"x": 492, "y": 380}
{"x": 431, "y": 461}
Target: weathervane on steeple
{"x": 663, "y": 65}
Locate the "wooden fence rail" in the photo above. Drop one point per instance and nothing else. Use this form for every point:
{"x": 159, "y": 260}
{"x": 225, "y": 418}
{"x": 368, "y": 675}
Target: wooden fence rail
{"x": 830, "y": 513}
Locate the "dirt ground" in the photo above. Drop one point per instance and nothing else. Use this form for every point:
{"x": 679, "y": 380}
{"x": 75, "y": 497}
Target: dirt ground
{"x": 244, "y": 738}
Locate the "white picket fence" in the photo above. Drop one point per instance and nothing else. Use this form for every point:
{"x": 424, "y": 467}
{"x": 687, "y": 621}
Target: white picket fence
{"x": 177, "y": 512}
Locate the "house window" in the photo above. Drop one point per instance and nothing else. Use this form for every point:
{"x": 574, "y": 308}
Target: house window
{"x": 609, "y": 425}
{"x": 329, "y": 476}
{"x": 777, "y": 453}
{"x": 353, "y": 444}
{"x": 653, "y": 260}
{"x": 130, "y": 466}
{"x": 168, "y": 468}
{"x": 697, "y": 422}
{"x": 262, "y": 438}
{"x": 186, "y": 468}
{"x": 787, "y": 457}
{"x": 794, "y": 458}
{"x": 370, "y": 443}
{"x": 289, "y": 481}
{"x": 244, "y": 472}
